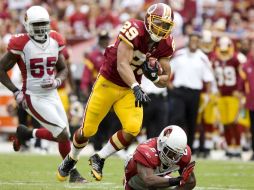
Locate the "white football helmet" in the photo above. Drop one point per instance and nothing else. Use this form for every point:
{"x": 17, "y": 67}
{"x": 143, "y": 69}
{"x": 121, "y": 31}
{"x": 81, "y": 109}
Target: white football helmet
{"x": 36, "y": 23}
{"x": 171, "y": 144}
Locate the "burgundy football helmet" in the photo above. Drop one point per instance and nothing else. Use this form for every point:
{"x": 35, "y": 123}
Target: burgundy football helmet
{"x": 159, "y": 21}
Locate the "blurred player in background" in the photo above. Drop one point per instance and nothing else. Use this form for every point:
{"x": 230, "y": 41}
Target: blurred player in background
{"x": 154, "y": 161}
{"x": 93, "y": 63}
{"x": 226, "y": 68}
{"x": 118, "y": 84}
{"x": 247, "y": 76}
{"x": 207, "y": 119}
{"x": 192, "y": 72}
{"x": 38, "y": 54}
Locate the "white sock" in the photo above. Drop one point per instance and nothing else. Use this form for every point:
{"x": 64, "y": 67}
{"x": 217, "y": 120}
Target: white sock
{"x": 107, "y": 151}
{"x": 74, "y": 153}
{"x": 33, "y": 133}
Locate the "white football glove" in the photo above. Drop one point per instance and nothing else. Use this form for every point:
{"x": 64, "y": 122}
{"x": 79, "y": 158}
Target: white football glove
{"x": 51, "y": 83}
{"x": 20, "y": 99}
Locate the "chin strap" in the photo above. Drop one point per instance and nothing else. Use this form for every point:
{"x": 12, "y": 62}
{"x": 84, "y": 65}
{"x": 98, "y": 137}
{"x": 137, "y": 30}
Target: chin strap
{"x": 155, "y": 38}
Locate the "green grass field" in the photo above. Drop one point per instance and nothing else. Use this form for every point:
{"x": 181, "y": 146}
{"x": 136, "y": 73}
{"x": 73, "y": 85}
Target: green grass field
{"x": 37, "y": 172}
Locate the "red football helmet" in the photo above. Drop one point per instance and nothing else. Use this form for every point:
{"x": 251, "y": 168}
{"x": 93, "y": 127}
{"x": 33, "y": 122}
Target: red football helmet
{"x": 159, "y": 21}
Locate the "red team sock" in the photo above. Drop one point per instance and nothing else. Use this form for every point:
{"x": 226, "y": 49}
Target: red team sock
{"x": 43, "y": 133}
{"x": 237, "y": 134}
{"x": 64, "y": 148}
{"x": 228, "y": 134}
{"x": 118, "y": 141}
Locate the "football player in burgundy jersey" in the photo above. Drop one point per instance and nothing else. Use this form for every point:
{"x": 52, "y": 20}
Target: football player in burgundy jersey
{"x": 153, "y": 161}
{"x": 38, "y": 55}
{"x": 118, "y": 84}
{"x": 226, "y": 65}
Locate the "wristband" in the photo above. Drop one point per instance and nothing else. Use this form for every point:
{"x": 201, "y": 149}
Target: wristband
{"x": 156, "y": 80}
{"x": 134, "y": 84}
{"x": 15, "y": 90}
{"x": 59, "y": 82}
{"x": 174, "y": 181}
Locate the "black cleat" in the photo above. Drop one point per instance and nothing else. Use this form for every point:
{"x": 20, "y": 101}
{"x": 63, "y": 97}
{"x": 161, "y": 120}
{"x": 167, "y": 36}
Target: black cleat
{"x": 65, "y": 168}
{"x": 22, "y": 135}
{"x": 97, "y": 164}
{"x": 75, "y": 177}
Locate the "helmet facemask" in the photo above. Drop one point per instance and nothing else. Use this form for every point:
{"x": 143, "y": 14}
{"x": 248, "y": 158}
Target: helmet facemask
{"x": 168, "y": 156}
{"x": 159, "y": 28}
{"x": 39, "y": 30}
{"x": 159, "y": 21}
{"x": 171, "y": 145}
{"x": 37, "y": 23}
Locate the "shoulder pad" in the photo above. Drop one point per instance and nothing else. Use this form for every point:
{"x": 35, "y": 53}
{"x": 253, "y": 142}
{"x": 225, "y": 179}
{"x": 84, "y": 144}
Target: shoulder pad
{"x": 17, "y": 43}
{"x": 60, "y": 40}
{"x": 146, "y": 156}
{"x": 131, "y": 32}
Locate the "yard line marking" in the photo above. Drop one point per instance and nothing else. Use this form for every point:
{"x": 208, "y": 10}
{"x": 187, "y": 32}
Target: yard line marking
{"x": 102, "y": 185}
{"x": 214, "y": 188}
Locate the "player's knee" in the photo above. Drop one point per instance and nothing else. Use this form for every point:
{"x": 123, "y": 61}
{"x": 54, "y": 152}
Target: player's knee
{"x": 132, "y": 130}
{"x": 89, "y": 131}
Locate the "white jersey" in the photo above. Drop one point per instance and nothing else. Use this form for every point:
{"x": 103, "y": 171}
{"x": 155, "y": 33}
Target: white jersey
{"x": 36, "y": 61}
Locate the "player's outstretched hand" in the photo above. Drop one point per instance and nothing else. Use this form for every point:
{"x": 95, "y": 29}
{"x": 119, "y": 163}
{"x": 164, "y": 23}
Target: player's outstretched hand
{"x": 187, "y": 172}
{"x": 20, "y": 99}
{"x": 140, "y": 95}
{"x": 51, "y": 83}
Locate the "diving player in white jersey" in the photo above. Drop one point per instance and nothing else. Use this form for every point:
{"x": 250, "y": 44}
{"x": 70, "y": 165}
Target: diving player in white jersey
{"x": 38, "y": 55}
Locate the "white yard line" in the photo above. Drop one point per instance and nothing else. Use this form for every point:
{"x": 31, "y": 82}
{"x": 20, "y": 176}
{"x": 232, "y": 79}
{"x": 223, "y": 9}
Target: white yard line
{"x": 100, "y": 185}
{"x": 91, "y": 185}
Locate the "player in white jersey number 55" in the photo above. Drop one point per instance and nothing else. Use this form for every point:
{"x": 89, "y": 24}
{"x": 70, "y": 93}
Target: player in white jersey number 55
{"x": 38, "y": 55}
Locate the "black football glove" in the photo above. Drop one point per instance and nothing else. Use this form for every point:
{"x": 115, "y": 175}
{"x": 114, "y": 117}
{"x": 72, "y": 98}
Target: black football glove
{"x": 151, "y": 72}
{"x": 141, "y": 96}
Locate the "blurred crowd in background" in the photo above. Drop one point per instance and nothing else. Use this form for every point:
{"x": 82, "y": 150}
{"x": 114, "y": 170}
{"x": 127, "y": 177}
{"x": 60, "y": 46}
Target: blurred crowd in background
{"x": 90, "y": 26}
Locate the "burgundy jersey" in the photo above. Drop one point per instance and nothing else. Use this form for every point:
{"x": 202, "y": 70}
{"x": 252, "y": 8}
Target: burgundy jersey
{"x": 147, "y": 154}
{"x": 248, "y": 68}
{"x": 134, "y": 34}
{"x": 226, "y": 74}
{"x": 94, "y": 60}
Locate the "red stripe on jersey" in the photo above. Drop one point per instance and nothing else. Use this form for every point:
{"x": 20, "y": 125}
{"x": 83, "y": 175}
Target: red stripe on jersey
{"x": 35, "y": 113}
